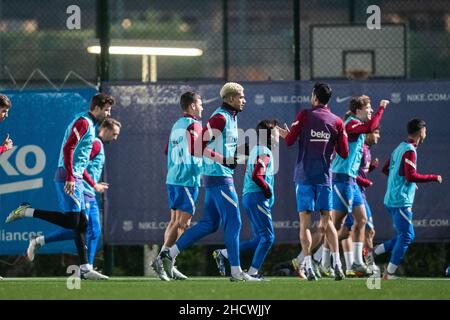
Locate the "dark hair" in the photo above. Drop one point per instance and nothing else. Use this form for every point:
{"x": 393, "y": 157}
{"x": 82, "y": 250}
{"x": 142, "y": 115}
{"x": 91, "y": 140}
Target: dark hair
{"x": 109, "y": 123}
{"x": 322, "y": 91}
{"x": 268, "y": 125}
{"x": 100, "y": 100}
{"x": 4, "y": 101}
{"x": 187, "y": 98}
{"x": 355, "y": 104}
{"x": 415, "y": 125}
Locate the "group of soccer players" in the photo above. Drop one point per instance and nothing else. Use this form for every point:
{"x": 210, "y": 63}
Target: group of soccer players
{"x": 330, "y": 177}
{"x": 77, "y": 180}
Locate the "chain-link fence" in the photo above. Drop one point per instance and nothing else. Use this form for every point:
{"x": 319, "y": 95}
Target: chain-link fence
{"x": 242, "y": 40}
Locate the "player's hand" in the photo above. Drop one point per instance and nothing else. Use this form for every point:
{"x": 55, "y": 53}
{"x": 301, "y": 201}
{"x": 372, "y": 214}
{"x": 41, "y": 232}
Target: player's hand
{"x": 283, "y": 132}
{"x": 439, "y": 179}
{"x": 375, "y": 163}
{"x": 101, "y": 187}
{"x": 69, "y": 187}
{"x": 8, "y": 143}
{"x": 267, "y": 194}
{"x": 384, "y": 103}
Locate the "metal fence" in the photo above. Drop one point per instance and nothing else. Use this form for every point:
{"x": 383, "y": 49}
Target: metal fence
{"x": 242, "y": 40}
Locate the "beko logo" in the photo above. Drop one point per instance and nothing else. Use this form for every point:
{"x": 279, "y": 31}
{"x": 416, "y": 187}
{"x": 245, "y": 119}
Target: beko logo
{"x": 320, "y": 135}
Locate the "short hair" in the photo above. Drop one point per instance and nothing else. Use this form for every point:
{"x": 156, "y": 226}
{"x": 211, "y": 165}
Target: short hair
{"x": 101, "y": 99}
{"x": 355, "y": 104}
{"x": 268, "y": 125}
{"x": 187, "y": 98}
{"x": 109, "y": 123}
{"x": 4, "y": 101}
{"x": 230, "y": 89}
{"x": 322, "y": 91}
{"x": 415, "y": 125}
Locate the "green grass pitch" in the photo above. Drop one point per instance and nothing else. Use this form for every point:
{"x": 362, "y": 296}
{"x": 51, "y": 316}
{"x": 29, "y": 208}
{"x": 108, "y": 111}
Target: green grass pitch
{"x": 196, "y": 288}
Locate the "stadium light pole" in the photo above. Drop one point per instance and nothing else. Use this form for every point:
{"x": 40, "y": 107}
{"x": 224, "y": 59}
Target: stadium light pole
{"x": 149, "y": 50}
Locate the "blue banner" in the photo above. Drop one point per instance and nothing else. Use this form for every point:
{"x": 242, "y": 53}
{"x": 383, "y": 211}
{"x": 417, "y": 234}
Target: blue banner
{"x": 36, "y": 124}
{"x": 136, "y": 164}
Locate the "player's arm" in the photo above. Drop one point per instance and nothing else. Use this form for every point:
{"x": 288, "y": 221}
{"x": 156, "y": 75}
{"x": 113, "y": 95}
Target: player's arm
{"x": 79, "y": 129}
{"x": 362, "y": 182}
{"x": 411, "y": 175}
{"x": 341, "y": 146}
{"x": 296, "y": 128}
{"x": 101, "y": 186}
{"x": 259, "y": 173}
{"x": 213, "y": 129}
{"x": 194, "y": 138}
{"x": 356, "y": 127}
{"x": 385, "y": 169}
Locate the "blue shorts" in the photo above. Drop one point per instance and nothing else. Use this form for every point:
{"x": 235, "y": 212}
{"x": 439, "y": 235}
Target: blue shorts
{"x": 349, "y": 219}
{"x": 72, "y": 203}
{"x": 313, "y": 197}
{"x": 346, "y": 196}
{"x": 182, "y": 198}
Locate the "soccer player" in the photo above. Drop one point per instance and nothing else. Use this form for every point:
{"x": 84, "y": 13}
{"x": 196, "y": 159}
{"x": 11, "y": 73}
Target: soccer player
{"x": 347, "y": 196}
{"x": 5, "y": 105}
{"x": 183, "y": 175}
{"x": 73, "y": 160}
{"x": 401, "y": 188}
{"x": 258, "y": 199}
{"x": 367, "y": 165}
{"x": 319, "y": 133}
{"x": 109, "y": 131}
{"x": 221, "y": 201}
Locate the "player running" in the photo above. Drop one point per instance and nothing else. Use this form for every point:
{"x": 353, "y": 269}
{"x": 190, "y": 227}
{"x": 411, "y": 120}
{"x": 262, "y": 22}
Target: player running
{"x": 347, "y": 196}
{"x": 109, "y": 131}
{"x": 401, "y": 188}
{"x": 183, "y": 175}
{"x": 221, "y": 201}
{"x": 319, "y": 133}
{"x": 258, "y": 199}
{"x": 73, "y": 160}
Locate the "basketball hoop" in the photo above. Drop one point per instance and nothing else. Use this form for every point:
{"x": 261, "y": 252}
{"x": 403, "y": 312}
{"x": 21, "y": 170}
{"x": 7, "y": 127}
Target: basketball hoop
{"x": 358, "y": 74}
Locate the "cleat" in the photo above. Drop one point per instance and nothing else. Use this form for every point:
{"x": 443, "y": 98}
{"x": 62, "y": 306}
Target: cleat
{"x": 33, "y": 248}
{"x": 389, "y": 276}
{"x": 259, "y": 276}
{"x": 299, "y": 270}
{"x": 167, "y": 262}
{"x": 339, "y": 274}
{"x": 177, "y": 275}
{"x": 310, "y": 275}
{"x": 350, "y": 273}
{"x": 360, "y": 270}
{"x": 157, "y": 265}
{"x": 316, "y": 268}
{"x": 326, "y": 271}
{"x": 92, "y": 275}
{"x": 17, "y": 213}
{"x": 220, "y": 261}
{"x": 243, "y": 277}
{"x": 373, "y": 269}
